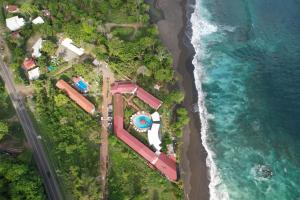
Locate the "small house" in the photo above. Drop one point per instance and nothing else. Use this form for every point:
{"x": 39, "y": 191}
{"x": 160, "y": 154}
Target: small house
{"x": 11, "y": 8}
{"x": 38, "y": 20}
{"x": 15, "y": 23}
{"x": 36, "y": 48}
{"x": 68, "y": 50}
{"x": 31, "y": 69}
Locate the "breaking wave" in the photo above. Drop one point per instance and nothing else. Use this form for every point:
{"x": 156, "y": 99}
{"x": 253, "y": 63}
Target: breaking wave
{"x": 201, "y": 28}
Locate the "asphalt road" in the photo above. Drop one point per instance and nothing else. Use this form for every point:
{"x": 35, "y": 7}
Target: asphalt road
{"x": 46, "y": 172}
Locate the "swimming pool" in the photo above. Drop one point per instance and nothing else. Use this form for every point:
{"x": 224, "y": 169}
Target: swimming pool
{"x": 82, "y": 86}
{"x": 141, "y": 121}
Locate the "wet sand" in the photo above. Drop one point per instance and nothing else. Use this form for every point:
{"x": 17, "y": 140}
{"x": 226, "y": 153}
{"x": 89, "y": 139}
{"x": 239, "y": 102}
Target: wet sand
{"x": 172, "y": 30}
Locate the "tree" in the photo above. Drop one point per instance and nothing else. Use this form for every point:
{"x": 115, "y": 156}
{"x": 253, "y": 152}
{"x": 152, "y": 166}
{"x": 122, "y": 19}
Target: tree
{"x": 60, "y": 100}
{"x": 175, "y": 97}
{"x": 115, "y": 3}
{"x": 49, "y": 47}
{"x": 3, "y": 129}
{"x": 28, "y": 8}
{"x": 164, "y": 75}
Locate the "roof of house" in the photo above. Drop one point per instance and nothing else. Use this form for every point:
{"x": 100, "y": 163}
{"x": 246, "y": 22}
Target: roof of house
{"x": 148, "y": 98}
{"x": 37, "y": 47}
{"x": 28, "y": 64}
{"x": 123, "y": 87}
{"x": 15, "y": 23}
{"x": 12, "y": 8}
{"x": 34, "y": 73}
{"x": 153, "y": 136}
{"x": 68, "y": 43}
{"x": 162, "y": 162}
{"x": 15, "y": 34}
{"x": 76, "y": 96}
{"x": 167, "y": 165}
{"x": 155, "y": 117}
{"x": 38, "y": 20}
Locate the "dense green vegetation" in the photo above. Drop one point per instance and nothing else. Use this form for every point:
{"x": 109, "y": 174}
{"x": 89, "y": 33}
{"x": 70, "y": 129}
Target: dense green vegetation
{"x": 19, "y": 180}
{"x": 118, "y": 32}
{"x": 18, "y": 176}
{"x": 71, "y": 138}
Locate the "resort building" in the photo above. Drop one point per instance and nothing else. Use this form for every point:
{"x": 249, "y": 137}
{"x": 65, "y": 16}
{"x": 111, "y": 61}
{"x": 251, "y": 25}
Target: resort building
{"x": 36, "y": 48}
{"x": 148, "y": 98}
{"x": 155, "y": 117}
{"x": 68, "y": 50}
{"x": 30, "y": 68}
{"x": 124, "y": 87}
{"x": 162, "y": 162}
{"x": 38, "y": 20}
{"x": 81, "y": 84}
{"x": 15, "y": 23}
{"x": 154, "y": 136}
{"x": 76, "y": 96}
{"x": 12, "y": 8}
{"x": 129, "y": 87}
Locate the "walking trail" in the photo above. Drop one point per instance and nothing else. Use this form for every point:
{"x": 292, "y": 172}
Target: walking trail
{"x": 108, "y": 79}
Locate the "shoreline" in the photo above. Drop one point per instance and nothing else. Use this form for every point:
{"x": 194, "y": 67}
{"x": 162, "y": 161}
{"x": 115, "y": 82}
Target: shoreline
{"x": 173, "y": 33}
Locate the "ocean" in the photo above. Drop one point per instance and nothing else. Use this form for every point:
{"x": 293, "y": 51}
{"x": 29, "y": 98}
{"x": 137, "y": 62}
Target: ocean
{"x": 247, "y": 73}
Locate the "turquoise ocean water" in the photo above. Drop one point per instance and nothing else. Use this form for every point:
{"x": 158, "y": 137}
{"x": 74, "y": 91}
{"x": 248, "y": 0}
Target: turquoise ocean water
{"x": 247, "y": 72}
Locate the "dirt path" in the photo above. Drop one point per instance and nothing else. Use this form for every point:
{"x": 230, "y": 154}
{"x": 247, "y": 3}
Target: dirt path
{"x": 4, "y": 50}
{"x": 108, "y": 78}
{"x": 135, "y": 26}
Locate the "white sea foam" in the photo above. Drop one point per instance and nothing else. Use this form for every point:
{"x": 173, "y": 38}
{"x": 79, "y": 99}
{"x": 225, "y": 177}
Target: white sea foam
{"x": 200, "y": 29}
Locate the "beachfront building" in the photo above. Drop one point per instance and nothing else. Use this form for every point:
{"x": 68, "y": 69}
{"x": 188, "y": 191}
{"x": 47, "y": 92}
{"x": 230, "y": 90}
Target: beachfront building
{"x": 36, "y": 48}
{"x": 68, "y": 51}
{"x": 124, "y": 87}
{"x": 12, "y": 8}
{"x": 162, "y": 162}
{"x": 154, "y": 136}
{"x": 155, "y": 117}
{"x": 129, "y": 87}
{"x": 32, "y": 71}
{"x": 80, "y": 84}
{"x": 15, "y": 23}
{"x": 76, "y": 96}
{"x": 38, "y": 20}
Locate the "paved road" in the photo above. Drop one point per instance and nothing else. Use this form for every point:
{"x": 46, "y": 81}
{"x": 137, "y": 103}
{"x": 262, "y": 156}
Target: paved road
{"x": 49, "y": 177}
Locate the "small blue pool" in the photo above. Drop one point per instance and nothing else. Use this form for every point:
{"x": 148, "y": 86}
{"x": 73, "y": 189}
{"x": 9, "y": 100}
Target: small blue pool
{"x": 50, "y": 68}
{"x": 142, "y": 122}
{"x": 82, "y": 86}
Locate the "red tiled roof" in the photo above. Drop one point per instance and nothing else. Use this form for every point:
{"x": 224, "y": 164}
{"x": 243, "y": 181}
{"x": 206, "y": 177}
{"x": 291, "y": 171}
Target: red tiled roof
{"x": 28, "y": 64}
{"x": 123, "y": 87}
{"x": 129, "y": 87}
{"x": 168, "y": 165}
{"x": 12, "y": 8}
{"x": 148, "y": 98}
{"x": 162, "y": 162}
{"x": 76, "y": 96}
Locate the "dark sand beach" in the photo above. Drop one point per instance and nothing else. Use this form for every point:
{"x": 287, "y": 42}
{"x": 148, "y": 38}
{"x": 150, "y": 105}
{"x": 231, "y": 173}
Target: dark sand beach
{"x": 173, "y": 28}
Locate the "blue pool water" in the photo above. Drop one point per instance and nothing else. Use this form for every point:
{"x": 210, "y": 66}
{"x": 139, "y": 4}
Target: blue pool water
{"x": 142, "y": 121}
{"x": 247, "y": 73}
{"x": 50, "y": 68}
{"x": 82, "y": 86}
